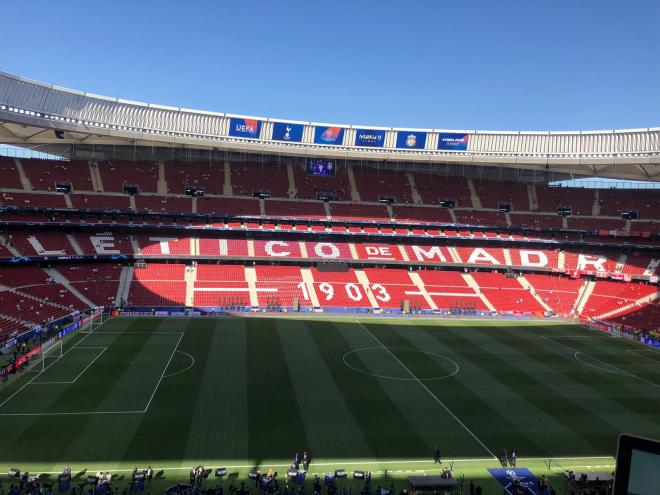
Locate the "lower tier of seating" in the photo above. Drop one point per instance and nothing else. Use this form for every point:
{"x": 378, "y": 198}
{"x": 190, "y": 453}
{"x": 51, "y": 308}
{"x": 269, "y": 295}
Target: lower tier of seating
{"x": 32, "y": 295}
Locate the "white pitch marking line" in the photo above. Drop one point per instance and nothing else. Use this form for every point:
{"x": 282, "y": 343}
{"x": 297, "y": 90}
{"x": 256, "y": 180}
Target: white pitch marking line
{"x": 624, "y": 372}
{"x": 363, "y": 463}
{"x": 442, "y": 404}
{"x": 186, "y": 369}
{"x": 76, "y": 413}
{"x": 163, "y": 374}
{"x": 79, "y": 374}
{"x": 642, "y": 352}
{"x": 47, "y": 367}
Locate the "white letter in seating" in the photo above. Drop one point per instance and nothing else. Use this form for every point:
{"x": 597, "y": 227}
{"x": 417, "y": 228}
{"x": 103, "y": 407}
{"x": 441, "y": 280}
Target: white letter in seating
{"x": 596, "y": 261}
{"x": 321, "y": 248}
{"x": 40, "y": 249}
{"x": 541, "y": 258}
{"x": 104, "y": 244}
{"x": 480, "y": 254}
{"x": 271, "y": 252}
{"x": 424, "y": 254}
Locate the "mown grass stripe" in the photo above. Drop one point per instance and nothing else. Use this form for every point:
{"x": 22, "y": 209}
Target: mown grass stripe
{"x": 386, "y": 428}
{"x": 275, "y": 426}
{"x": 219, "y": 428}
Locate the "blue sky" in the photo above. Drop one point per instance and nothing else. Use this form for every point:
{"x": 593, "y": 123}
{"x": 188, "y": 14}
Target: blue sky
{"x": 474, "y": 64}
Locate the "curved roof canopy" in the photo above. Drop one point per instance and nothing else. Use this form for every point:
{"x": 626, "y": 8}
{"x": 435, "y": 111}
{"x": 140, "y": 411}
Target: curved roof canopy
{"x": 37, "y": 114}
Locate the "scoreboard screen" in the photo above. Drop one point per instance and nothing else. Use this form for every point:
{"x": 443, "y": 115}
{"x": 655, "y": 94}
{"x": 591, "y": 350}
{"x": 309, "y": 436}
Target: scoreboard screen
{"x": 320, "y": 167}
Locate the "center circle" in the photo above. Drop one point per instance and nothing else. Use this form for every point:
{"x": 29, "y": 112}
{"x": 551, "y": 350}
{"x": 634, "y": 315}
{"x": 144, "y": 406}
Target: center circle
{"x": 397, "y": 363}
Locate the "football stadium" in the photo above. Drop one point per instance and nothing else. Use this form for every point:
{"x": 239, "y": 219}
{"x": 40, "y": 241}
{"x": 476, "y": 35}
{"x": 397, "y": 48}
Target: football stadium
{"x": 203, "y": 302}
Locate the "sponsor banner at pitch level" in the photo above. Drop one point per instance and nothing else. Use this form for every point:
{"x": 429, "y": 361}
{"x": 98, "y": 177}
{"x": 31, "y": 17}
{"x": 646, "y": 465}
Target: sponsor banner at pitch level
{"x": 453, "y": 141}
{"x": 520, "y": 479}
{"x": 412, "y": 140}
{"x": 369, "y": 138}
{"x": 328, "y": 135}
{"x": 247, "y": 128}
{"x": 291, "y": 133}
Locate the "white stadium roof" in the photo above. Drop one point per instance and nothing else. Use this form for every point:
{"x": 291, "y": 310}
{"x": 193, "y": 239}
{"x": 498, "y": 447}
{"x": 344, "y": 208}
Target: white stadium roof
{"x": 35, "y": 114}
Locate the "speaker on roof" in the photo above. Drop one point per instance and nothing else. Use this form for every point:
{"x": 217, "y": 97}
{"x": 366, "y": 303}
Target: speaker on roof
{"x": 447, "y": 203}
{"x": 325, "y": 196}
{"x": 59, "y": 134}
{"x": 63, "y": 187}
{"x": 194, "y": 191}
{"x": 131, "y": 189}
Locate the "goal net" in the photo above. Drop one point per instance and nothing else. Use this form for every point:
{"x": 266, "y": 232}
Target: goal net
{"x": 50, "y": 355}
{"x": 92, "y": 325}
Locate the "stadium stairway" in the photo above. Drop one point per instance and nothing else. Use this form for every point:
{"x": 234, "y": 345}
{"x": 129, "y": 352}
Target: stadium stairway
{"x": 476, "y": 201}
{"x": 74, "y": 244}
{"x": 366, "y": 285}
{"x": 595, "y": 209}
{"x": 525, "y": 283}
{"x": 419, "y": 283}
{"x": 531, "y": 196}
{"x": 97, "y": 183}
{"x": 25, "y": 180}
{"x": 134, "y": 245}
{"x": 125, "y": 280}
{"x": 308, "y": 278}
{"x": 355, "y": 194}
{"x": 10, "y": 247}
{"x": 292, "y": 191}
{"x": 251, "y": 278}
{"x": 161, "y": 185}
{"x": 650, "y": 270}
{"x": 190, "y": 277}
{"x": 227, "y": 190}
{"x": 473, "y": 283}
{"x": 61, "y": 279}
{"x": 583, "y": 296}
{"x": 639, "y": 304}
{"x": 416, "y": 197}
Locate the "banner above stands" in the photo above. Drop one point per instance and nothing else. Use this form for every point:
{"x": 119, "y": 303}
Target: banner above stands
{"x": 289, "y": 133}
{"x": 452, "y": 141}
{"x": 370, "y": 138}
{"x": 246, "y": 128}
{"x": 411, "y": 140}
{"x": 329, "y": 135}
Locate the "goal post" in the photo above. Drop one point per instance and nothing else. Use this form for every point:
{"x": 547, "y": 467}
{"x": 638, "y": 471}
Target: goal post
{"x": 93, "y": 323}
{"x": 50, "y": 355}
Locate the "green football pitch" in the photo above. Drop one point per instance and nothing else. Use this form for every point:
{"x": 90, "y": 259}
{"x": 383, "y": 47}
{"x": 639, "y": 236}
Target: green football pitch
{"x": 379, "y": 394}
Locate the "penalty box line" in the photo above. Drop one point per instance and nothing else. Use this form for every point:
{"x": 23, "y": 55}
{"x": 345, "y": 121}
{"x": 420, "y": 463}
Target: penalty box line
{"x": 621, "y": 370}
{"x": 162, "y": 375}
{"x": 428, "y": 390}
{"x": 47, "y": 367}
{"x": 103, "y": 349}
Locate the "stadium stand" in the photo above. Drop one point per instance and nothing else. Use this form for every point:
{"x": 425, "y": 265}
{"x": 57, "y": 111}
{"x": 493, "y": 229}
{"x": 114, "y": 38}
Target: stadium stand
{"x": 118, "y": 173}
{"x": 248, "y": 177}
{"x": 206, "y": 175}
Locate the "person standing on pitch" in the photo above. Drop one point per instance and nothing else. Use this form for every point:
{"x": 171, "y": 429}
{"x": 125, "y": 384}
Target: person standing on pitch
{"x": 513, "y": 458}
{"x": 504, "y": 460}
{"x": 436, "y": 456}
